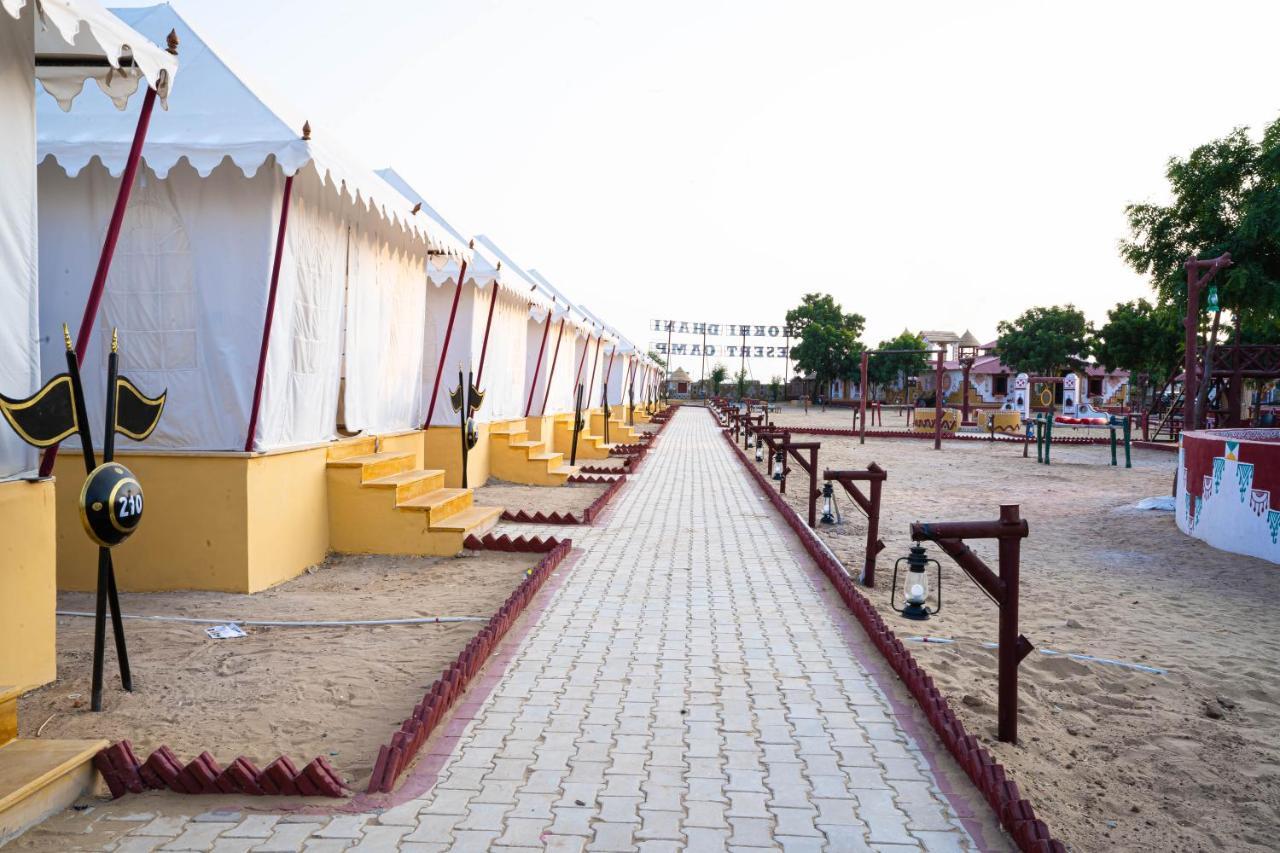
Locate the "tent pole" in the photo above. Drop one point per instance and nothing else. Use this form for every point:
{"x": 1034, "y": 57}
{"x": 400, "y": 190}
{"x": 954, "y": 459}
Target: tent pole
{"x": 271, "y": 310}
{"x": 108, "y": 248}
{"x": 592, "y": 384}
{"x": 555, "y": 356}
{"x": 444, "y": 350}
{"x": 577, "y": 377}
{"x": 488, "y": 324}
{"x": 528, "y": 406}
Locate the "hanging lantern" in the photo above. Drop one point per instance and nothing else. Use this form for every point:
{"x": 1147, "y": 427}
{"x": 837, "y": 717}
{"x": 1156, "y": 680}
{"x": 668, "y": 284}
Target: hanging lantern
{"x": 915, "y": 587}
{"x": 759, "y": 451}
{"x": 779, "y": 463}
{"x": 828, "y": 503}
{"x": 1213, "y": 297}
{"x": 750, "y": 439}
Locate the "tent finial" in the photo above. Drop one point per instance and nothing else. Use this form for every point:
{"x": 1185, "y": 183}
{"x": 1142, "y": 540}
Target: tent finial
{"x": 306, "y": 131}
{"x": 471, "y": 244}
{"x": 416, "y": 208}
{"x": 499, "y": 266}
{"x": 172, "y": 41}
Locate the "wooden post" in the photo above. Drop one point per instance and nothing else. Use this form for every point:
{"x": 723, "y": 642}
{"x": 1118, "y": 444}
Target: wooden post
{"x": 862, "y": 403}
{"x": 937, "y": 402}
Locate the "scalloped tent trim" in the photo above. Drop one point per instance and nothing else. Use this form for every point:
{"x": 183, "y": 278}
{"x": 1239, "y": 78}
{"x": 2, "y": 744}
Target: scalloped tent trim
{"x": 82, "y": 28}
{"x": 220, "y": 117}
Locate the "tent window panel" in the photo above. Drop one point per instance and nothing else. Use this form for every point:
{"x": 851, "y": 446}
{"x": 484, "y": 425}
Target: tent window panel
{"x": 151, "y": 296}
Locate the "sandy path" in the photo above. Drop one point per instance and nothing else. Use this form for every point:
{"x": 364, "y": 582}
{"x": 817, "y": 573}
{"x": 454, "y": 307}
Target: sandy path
{"x": 1112, "y": 758}
{"x": 301, "y": 692}
{"x": 571, "y": 497}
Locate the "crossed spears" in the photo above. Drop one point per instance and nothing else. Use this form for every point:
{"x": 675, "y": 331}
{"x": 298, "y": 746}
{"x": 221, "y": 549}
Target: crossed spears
{"x": 466, "y": 399}
{"x": 111, "y": 498}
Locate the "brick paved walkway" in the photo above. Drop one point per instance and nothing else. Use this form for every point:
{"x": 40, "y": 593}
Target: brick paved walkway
{"x": 690, "y": 686}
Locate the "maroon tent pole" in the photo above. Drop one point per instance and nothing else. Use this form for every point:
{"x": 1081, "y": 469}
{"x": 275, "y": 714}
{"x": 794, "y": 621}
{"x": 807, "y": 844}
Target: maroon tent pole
{"x": 551, "y": 372}
{"x": 444, "y": 350}
{"x": 581, "y": 363}
{"x": 595, "y": 360}
{"x": 937, "y": 403}
{"x": 271, "y": 310}
{"x": 528, "y": 407}
{"x": 484, "y": 346}
{"x": 108, "y": 248}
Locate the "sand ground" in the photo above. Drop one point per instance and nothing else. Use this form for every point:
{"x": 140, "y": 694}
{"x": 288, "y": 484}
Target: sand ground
{"x": 571, "y": 497}
{"x": 302, "y": 692}
{"x": 1111, "y": 757}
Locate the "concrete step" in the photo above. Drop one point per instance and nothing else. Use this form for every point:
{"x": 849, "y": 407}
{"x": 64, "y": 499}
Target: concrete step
{"x": 9, "y": 713}
{"x": 374, "y": 466}
{"x": 439, "y": 504}
{"x": 410, "y": 484}
{"x": 472, "y": 520}
{"x": 352, "y": 447}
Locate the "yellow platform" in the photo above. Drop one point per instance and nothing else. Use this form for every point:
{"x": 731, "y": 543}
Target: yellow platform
{"x": 515, "y": 457}
{"x": 28, "y": 582}
{"x": 38, "y": 777}
{"x": 619, "y": 432}
{"x": 590, "y": 445}
{"x": 381, "y": 502}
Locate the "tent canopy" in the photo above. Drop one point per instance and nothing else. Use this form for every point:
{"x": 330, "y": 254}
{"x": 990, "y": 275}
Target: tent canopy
{"x": 225, "y": 117}
{"x": 78, "y": 40}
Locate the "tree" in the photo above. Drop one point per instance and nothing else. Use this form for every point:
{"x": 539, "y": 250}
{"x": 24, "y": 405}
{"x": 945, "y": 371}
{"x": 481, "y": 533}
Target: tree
{"x": 659, "y": 360}
{"x": 718, "y": 374}
{"x": 775, "y": 387}
{"x": 1143, "y": 339}
{"x": 740, "y": 379}
{"x": 1226, "y": 198}
{"x": 885, "y": 368}
{"x": 829, "y": 347}
{"x": 1045, "y": 341}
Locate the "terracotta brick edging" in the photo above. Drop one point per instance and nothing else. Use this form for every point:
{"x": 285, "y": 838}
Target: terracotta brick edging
{"x": 1013, "y": 811}
{"x": 395, "y": 756}
{"x": 124, "y": 773}
{"x": 588, "y": 515}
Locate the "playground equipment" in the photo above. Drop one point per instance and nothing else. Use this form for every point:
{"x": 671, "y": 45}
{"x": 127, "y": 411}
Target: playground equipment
{"x": 1112, "y": 423}
{"x": 1009, "y": 531}
{"x": 861, "y": 414}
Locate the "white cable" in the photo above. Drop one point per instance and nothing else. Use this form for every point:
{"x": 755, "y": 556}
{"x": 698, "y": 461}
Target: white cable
{"x": 1141, "y": 667}
{"x": 280, "y": 623}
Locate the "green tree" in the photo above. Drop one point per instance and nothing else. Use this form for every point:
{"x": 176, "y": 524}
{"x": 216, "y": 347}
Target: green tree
{"x": 886, "y": 368}
{"x": 740, "y": 380}
{"x": 658, "y": 359}
{"x": 829, "y": 347}
{"x": 1045, "y": 341}
{"x": 775, "y": 388}
{"x": 718, "y": 374}
{"x": 1226, "y": 198}
{"x": 1143, "y": 339}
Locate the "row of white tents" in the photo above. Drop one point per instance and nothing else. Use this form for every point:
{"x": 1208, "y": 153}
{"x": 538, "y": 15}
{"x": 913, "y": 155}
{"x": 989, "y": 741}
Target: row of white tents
{"x": 280, "y": 291}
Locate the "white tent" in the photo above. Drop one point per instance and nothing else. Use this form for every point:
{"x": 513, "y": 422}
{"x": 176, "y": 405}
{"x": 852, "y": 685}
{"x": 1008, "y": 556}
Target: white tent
{"x": 565, "y": 331}
{"x": 499, "y": 359}
{"x": 62, "y": 43}
{"x": 192, "y": 276}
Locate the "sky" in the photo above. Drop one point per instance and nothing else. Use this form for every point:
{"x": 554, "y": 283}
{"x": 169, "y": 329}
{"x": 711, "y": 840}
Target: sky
{"x": 932, "y": 165}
